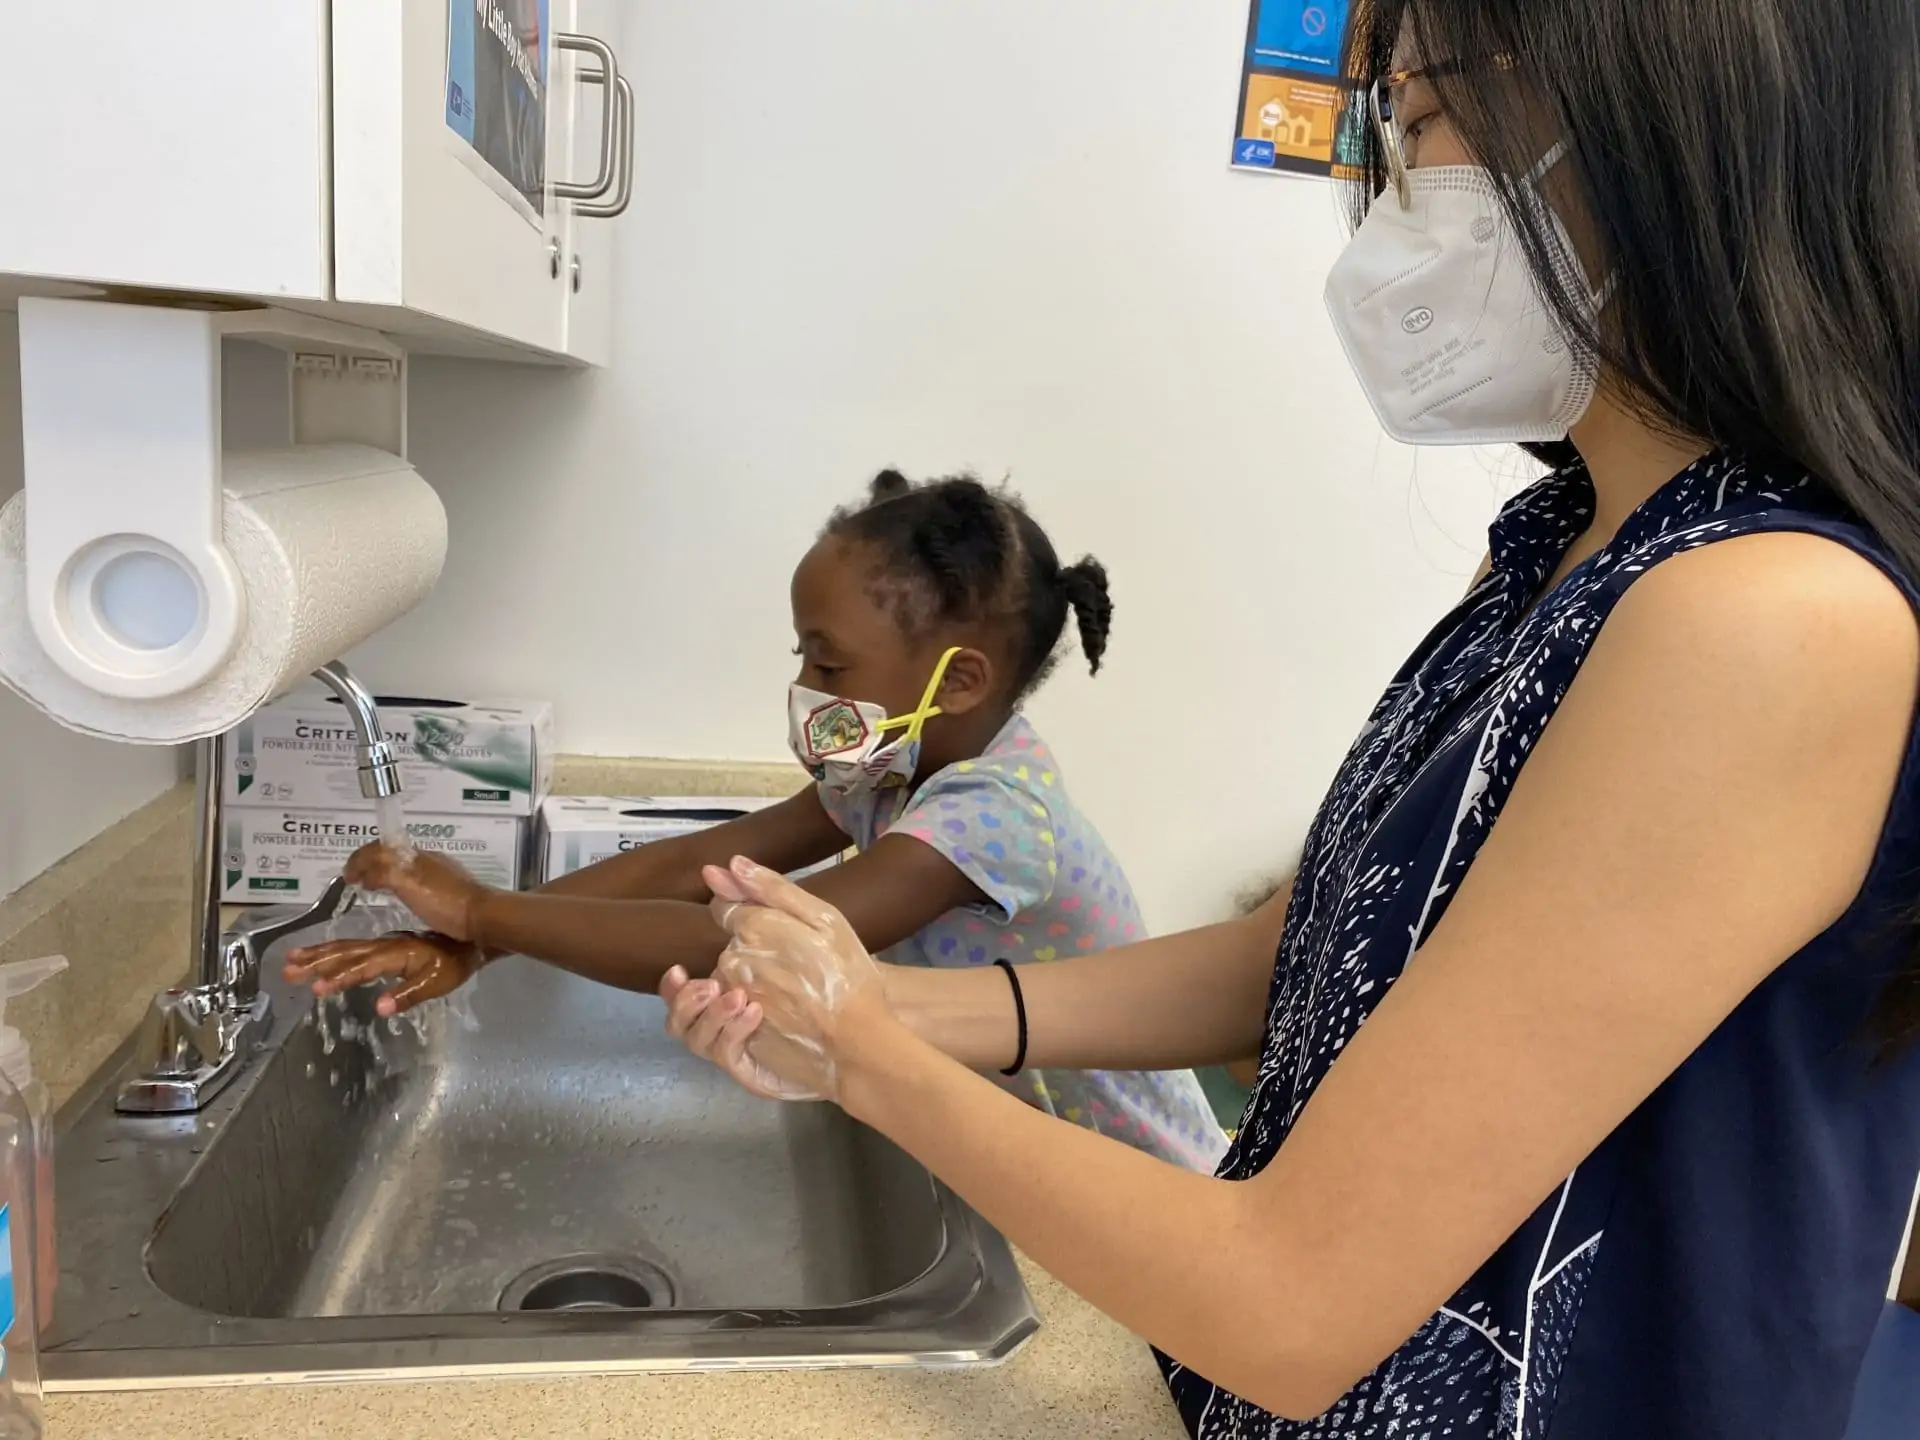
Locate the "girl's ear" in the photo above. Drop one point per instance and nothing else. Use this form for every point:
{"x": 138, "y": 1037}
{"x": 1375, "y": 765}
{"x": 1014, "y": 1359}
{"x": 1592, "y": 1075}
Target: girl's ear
{"x": 968, "y": 683}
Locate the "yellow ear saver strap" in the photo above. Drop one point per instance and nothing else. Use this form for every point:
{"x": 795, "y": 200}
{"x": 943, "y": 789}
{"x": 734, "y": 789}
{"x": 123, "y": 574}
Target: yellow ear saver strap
{"x": 927, "y": 709}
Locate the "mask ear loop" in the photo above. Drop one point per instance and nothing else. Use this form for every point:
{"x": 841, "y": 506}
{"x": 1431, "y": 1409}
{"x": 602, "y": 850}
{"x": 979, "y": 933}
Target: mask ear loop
{"x": 1598, "y": 298}
{"x": 914, "y": 722}
{"x": 926, "y": 709}
{"x": 1557, "y": 152}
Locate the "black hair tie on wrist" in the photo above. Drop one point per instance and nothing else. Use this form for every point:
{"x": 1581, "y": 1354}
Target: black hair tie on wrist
{"x": 1020, "y": 1015}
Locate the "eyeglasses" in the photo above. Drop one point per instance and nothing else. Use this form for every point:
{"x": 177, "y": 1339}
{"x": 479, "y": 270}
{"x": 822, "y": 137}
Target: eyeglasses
{"x": 1393, "y": 137}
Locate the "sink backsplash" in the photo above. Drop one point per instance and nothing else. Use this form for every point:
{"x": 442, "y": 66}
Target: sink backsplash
{"x": 117, "y": 907}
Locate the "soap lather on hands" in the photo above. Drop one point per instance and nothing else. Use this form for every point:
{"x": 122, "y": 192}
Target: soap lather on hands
{"x": 794, "y": 988}
{"x": 424, "y": 965}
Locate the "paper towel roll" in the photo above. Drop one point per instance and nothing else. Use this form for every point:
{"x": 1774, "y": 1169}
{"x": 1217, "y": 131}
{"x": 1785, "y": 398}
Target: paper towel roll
{"x": 333, "y": 542}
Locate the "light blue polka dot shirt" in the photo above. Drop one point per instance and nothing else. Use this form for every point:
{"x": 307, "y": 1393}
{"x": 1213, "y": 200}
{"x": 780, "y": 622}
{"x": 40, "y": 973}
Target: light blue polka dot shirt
{"x": 1053, "y": 889}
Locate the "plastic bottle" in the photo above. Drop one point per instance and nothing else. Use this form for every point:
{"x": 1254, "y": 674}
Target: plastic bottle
{"x": 28, "y": 1265}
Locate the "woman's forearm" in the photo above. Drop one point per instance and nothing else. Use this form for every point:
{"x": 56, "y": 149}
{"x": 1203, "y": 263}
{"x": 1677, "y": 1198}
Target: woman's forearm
{"x": 1196, "y": 998}
{"x": 627, "y": 943}
{"x": 1202, "y": 1279}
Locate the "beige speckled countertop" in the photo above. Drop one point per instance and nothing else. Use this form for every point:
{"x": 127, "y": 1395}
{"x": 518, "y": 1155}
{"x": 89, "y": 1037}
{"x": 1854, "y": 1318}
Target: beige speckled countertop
{"x": 1081, "y": 1378}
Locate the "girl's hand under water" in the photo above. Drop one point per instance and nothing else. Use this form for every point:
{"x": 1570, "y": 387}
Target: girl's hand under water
{"x": 425, "y": 967}
{"x": 444, "y": 897}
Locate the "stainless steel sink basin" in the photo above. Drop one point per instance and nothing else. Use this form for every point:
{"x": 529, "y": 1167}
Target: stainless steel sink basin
{"x": 560, "y": 1189}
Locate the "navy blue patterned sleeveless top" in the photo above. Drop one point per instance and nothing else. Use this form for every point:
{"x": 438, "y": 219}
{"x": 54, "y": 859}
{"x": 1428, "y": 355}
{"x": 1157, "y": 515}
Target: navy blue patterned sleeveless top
{"x": 1716, "y": 1266}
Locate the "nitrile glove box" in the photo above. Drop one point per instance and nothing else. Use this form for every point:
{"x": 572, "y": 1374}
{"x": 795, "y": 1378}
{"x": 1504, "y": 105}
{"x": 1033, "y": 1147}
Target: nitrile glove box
{"x": 456, "y": 757}
{"x": 581, "y": 830}
{"x": 282, "y": 857}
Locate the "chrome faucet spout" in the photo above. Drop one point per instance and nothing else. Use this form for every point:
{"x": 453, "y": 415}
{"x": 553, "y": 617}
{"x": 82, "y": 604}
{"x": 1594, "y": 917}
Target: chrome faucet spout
{"x": 374, "y": 755}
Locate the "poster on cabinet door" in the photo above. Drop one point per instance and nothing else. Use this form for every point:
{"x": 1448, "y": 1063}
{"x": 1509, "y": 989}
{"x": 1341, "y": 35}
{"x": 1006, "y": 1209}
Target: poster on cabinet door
{"x": 1294, "y": 115}
{"x": 498, "y": 60}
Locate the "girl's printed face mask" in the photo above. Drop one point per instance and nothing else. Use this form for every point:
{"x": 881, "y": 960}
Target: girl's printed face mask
{"x": 852, "y": 747}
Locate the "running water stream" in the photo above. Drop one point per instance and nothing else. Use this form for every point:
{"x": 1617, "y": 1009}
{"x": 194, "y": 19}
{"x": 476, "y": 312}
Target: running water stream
{"x": 390, "y": 814}
{"x": 365, "y": 914}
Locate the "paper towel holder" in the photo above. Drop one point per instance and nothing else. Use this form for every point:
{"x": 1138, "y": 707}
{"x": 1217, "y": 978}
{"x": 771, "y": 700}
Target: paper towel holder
{"x": 130, "y": 587}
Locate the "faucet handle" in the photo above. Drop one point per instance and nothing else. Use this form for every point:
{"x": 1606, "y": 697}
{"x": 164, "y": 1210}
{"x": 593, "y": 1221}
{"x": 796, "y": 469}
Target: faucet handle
{"x": 260, "y": 939}
{"x": 241, "y": 951}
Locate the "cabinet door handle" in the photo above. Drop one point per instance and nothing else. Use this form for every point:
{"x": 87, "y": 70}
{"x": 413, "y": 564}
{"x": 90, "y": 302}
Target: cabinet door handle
{"x": 622, "y": 101}
{"x": 608, "y": 73}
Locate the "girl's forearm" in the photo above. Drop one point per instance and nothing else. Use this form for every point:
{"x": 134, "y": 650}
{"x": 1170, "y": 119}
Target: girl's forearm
{"x": 1196, "y": 998}
{"x": 626, "y": 943}
{"x": 789, "y": 836}
{"x": 665, "y": 870}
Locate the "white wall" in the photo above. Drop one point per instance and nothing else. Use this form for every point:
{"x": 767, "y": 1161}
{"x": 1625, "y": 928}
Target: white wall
{"x": 994, "y": 234}
{"x": 57, "y": 789}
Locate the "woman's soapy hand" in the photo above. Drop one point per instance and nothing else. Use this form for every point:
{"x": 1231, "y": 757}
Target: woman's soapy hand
{"x": 794, "y": 995}
{"x": 716, "y": 1024}
{"x": 443, "y": 896}
{"x": 425, "y": 967}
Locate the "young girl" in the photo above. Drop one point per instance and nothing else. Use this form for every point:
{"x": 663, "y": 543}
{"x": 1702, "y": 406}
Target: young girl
{"x": 924, "y": 617}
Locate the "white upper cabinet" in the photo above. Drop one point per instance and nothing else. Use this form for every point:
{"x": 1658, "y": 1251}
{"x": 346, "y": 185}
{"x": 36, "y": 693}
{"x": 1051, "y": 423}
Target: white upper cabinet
{"x": 441, "y": 170}
{"x": 178, "y": 147}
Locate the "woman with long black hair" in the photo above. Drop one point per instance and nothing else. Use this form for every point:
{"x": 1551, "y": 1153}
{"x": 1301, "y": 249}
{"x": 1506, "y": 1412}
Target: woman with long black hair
{"x": 1586, "y": 1105}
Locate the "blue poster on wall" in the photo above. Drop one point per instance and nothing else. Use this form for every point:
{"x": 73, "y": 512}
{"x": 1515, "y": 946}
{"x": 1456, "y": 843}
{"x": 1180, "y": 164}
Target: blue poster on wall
{"x": 1296, "y": 114}
{"x": 1302, "y": 36}
{"x": 496, "y": 94}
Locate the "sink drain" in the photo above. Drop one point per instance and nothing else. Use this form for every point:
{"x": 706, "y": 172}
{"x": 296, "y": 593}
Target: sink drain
{"x": 587, "y": 1290}
{"x": 590, "y": 1282}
